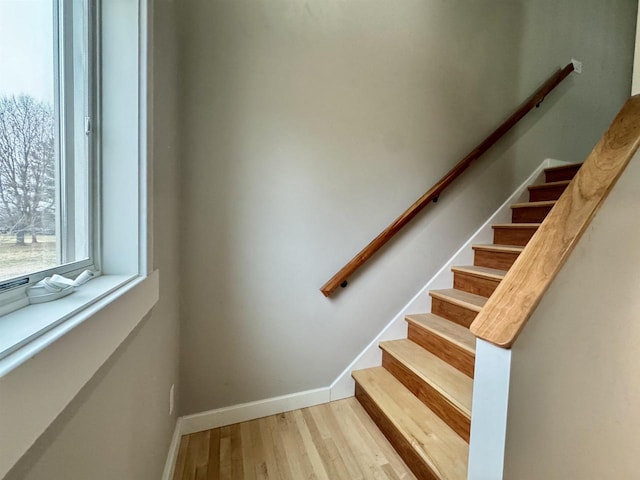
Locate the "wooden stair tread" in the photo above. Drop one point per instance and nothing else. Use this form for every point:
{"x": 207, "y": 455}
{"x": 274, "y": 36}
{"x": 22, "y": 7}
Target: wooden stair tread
{"x": 458, "y": 297}
{"x": 569, "y": 166}
{"x": 516, "y": 225}
{"x": 446, "y": 329}
{"x": 484, "y": 272}
{"x": 450, "y": 382}
{"x": 544, "y": 203}
{"x": 492, "y": 247}
{"x": 560, "y": 183}
{"x": 431, "y": 438}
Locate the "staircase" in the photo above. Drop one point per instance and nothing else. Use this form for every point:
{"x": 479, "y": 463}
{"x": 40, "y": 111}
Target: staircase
{"x": 420, "y": 397}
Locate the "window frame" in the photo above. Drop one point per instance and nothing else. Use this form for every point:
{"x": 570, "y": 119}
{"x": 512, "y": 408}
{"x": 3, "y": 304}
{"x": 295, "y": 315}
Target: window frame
{"x": 123, "y": 177}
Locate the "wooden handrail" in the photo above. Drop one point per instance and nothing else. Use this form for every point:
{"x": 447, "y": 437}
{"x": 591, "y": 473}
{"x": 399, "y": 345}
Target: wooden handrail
{"x": 510, "y": 306}
{"x": 433, "y": 193}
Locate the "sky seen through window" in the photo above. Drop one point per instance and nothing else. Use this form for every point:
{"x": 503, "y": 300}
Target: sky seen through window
{"x": 26, "y": 48}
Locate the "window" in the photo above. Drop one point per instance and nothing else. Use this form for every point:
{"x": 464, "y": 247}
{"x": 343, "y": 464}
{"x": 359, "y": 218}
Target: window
{"x": 47, "y": 147}
{"x": 65, "y": 342}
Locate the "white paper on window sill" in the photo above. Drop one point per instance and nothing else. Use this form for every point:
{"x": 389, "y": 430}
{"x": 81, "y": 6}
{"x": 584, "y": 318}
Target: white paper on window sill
{"x": 57, "y": 286}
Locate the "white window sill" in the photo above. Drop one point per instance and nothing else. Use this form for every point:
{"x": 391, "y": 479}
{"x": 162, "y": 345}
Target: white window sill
{"x": 23, "y": 333}
{"x": 40, "y": 378}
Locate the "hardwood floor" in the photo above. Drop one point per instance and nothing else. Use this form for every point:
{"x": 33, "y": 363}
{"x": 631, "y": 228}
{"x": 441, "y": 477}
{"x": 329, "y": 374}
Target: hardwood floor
{"x": 333, "y": 441}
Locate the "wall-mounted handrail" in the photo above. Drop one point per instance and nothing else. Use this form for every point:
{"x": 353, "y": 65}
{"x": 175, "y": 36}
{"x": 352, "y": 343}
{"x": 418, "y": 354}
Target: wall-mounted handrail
{"x": 518, "y": 294}
{"x": 340, "y": 278}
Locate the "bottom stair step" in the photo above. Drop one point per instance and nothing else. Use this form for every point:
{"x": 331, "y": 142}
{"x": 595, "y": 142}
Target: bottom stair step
{"x": 440, "y": 386}
{"x": 427, "y": 444}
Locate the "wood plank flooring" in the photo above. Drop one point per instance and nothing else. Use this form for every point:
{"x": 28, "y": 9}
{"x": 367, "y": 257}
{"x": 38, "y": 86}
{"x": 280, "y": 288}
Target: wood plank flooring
{"x": 333, "y": 441}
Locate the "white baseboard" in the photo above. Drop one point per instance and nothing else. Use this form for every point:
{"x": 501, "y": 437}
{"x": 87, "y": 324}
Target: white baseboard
{"x": 252, "y": 410}
{"x": 343, "y": 385}
{"x": 172, "y": 456}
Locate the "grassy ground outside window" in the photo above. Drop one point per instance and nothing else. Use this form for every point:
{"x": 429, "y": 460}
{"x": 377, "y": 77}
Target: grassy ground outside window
{"x": 18, "y": 260}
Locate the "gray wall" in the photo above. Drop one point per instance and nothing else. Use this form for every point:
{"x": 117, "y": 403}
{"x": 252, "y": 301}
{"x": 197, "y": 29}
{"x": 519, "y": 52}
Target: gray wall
{"x": 575, "y": 372}
{"x": 308, "y": 126}
{"x": 118, "y": 426}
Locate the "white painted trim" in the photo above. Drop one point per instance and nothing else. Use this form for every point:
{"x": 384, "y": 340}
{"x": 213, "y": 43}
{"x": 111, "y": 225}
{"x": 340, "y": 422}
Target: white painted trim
{"x": 252, "y": 410}
{"x": 490, "y": 407}
{"x": 172, "y": 456}
{"x": 343, "y": 386}
{"x": 635, "y": 79}
{"x": 123, "y": 154}
{"x": 26, "y": 332}
{"x": 146, "y": 136}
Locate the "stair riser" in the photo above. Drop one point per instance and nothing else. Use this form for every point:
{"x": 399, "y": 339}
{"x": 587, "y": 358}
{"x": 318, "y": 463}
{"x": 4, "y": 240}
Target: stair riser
{"x": 547, "y": 193}
{"x": 560, "y": 175}
{"x": 473, "y": 284}
{"x": 512, "y": 236}
{"x": 529, "y": 214}
{"x": 455, "y": 313}
{"x": 428, "y": 395}
{"x": 455, "y": 356}
{"x": 401, "y": 445}
{"x": 499, "y": 260}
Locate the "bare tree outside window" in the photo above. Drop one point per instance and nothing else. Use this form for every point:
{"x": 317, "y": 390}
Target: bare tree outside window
{"x": 27, "y": 168}
{"x": 46, "y": 146}
{"x": 28, "y": 145}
